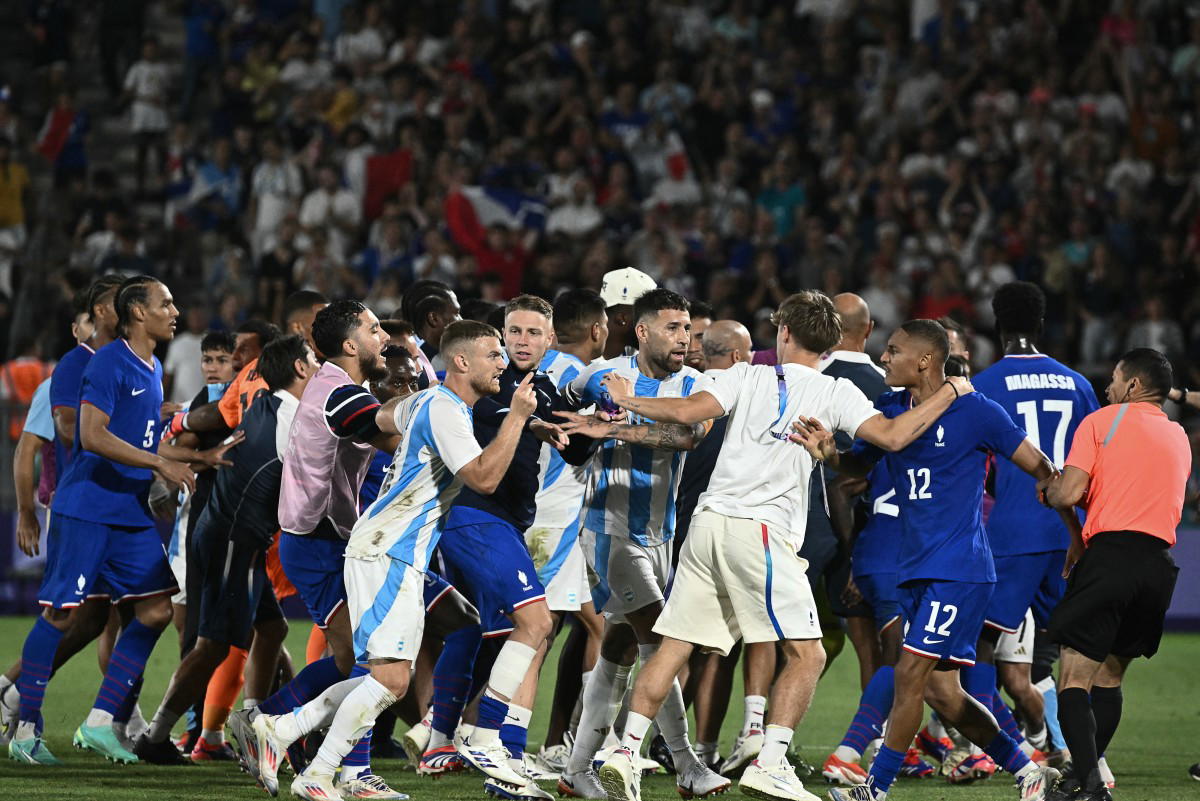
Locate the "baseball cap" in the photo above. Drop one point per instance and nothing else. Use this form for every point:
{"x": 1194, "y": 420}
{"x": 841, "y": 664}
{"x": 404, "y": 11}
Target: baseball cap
{"x": 622, "y": 287}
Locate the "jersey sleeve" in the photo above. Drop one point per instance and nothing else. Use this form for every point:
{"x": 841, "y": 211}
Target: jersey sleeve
{"x": 453, "y": 434}
{"x": 350, "y": 413}
{"x": 101, "y": 385}
{"x": 64, "y": 383}
{"x": 230, "y": 404}
{"x": 39, "y": 421}
{"x": 726, "y": 385}
{"x": 1085, "y": 445}
{"x": 584, "y": 390}
{"x": 998, "y": 433}
{"x": 851, "y": 408}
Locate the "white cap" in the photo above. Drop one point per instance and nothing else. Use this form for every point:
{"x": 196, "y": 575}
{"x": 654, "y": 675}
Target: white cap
{"x": 622, "y": 287}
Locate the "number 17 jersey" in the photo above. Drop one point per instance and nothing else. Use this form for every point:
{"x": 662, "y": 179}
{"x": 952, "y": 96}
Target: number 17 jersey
{"x": 1048, "y": 400}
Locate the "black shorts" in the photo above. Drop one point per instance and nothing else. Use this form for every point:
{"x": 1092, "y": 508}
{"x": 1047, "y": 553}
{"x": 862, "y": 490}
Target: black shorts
{"x": 235, "y": 591}
{"x": 829, "y": 558}
{"x": 1117, "y": 597}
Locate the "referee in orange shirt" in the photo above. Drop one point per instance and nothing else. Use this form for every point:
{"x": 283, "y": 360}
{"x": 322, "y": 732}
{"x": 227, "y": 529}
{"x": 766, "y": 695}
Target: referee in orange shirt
{"x": 1128, "y": 468}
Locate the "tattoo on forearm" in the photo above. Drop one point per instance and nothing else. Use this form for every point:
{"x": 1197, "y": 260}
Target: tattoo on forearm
{"x": 663, "y": 436}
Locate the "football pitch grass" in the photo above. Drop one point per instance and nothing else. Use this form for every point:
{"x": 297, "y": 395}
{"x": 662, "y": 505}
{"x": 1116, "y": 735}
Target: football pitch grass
{"x": 1159, "y": 737}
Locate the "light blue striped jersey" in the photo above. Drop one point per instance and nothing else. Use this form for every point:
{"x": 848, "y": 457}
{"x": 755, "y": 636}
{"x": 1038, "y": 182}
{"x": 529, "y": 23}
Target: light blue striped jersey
{"x": 560, "y": 485}
{"x": 631, "y": 489}
{"x": 405, "y": 521}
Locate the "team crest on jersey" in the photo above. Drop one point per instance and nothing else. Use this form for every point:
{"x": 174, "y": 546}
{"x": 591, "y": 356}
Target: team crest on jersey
{"x": 521, "y": 577}
{"x": 941, "y": 435}
{"x": 80, "y": 584}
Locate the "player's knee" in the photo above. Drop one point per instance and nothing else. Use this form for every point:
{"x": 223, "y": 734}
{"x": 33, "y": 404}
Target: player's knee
{"x": 272, "y": 631}
{"x": 58, "y": 618}
{"x": 154, "y": 613}
{"x": 393, "y": 676}
{"x": 806, "y": 655}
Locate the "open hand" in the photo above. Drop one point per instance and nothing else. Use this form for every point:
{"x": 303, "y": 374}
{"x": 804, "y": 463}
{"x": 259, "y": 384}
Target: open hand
{"x": 29, "y": 532}
{"x": 815, "y": 438}
{"x": 177, "y": 474}
{"x": 588, "y": 425}
{"x": 550, "y": 433}
{"x": 215, "y": 457}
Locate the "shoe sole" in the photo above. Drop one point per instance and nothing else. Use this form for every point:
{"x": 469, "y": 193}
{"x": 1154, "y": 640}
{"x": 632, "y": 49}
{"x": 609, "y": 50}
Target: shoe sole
{"x": 754, "y": 792}
{"x": 614, "y": 785}
{"x": 840, "y": 777}
{"x": 83, "y": 745}
{"x": 685, "y": 793}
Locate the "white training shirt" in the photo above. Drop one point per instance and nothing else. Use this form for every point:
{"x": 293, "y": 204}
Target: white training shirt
{"x": 560, "y": 485}
{"x": 632, "y": 489}
{"x": 757, "y": 475}
{"x": 405, "y": 521}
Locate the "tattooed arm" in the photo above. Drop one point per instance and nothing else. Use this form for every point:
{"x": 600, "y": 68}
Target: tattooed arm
{"x": 661, "y": 436}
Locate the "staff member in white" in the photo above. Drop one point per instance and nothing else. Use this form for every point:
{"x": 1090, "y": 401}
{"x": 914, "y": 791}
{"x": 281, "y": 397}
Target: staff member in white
{"x": 739, "y": 573}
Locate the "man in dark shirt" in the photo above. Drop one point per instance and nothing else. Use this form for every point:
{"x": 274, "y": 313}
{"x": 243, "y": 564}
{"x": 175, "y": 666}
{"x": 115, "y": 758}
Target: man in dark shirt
{"x": 230, "y": 540}
{"x": 483, "y": 542}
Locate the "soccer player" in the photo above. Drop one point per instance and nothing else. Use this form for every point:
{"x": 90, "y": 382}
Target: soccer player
{"x": 483, "y": 544}
{"x": 628, "y": 523}
{"x": 1128, "y": 468}
{"x": 945, "y": 569}
{"x": 740, "y": 574}
{"x": 332, "y": 442}
{"x": 581, "y": 331}
{"x": 103, "y": 523}
{"x": 391, "y": 544}
{"x": 231, "y": 536}
{"x": 1028, "y": 541}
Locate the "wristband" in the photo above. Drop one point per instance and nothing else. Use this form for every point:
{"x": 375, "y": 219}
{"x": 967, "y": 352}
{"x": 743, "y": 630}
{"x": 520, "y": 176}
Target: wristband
{"x": 1183, "y": 391}
{"x": 954, "y": 388}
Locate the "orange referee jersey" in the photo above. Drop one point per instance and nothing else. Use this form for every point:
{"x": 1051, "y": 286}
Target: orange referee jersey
{"x": 1139, "y": 461}
{"x": 233, "y": 405}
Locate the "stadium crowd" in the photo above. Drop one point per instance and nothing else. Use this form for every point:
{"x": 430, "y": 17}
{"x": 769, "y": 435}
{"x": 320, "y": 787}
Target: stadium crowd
{"x": 920, "y": 154}
{"x": 380, "y": 229}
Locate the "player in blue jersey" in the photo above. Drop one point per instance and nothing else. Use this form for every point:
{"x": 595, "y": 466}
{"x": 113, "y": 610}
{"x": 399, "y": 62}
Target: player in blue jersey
{"x": 102, "y": 520}
{"x": 1028, "y": 541}
{"x": 944, "y": 570}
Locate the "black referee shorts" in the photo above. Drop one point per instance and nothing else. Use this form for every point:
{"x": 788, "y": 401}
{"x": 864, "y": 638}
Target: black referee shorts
{"x": 235, "y": 592}
{"x": 1117, "y": 597}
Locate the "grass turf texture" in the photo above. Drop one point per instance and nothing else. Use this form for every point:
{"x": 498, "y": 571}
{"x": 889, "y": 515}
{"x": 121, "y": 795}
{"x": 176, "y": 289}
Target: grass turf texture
{"x": 1150, "y": 756}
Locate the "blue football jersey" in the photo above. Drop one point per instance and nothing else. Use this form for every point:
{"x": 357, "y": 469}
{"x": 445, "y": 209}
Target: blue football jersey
{"x": 1048, "y": 400}
{"x": 129, "y": 390}
{"x": 877, "y": 546}
{"x": 65, "y": 384}
{"x": 939, "y": 487}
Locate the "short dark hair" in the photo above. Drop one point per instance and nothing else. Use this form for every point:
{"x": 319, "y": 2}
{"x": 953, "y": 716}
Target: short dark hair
{"x": 99, "y": 288}
{"x": 700, "y": 309}
{"x": 657, "y": 300}
{"x": 461, "y": 331}
{"x": 266, "y": 332}
{"x": 950, "y": 324}
{"x": 275, "y": 363}
{"x": 334, "y": 324}
{"x": 530, "y": 303}
{"x": 434, "y": 302}
{"x": 1151, "y": 367}
{"x": 397, "y": 328}
{"x": 301, "y": 301}
{"x": 957, "y": 365}
{"x": 811, "y": 319}
{"x": 575, "y": 311}
{"x": 133, "y": 291}
{"x": 218, "y": 340}
{"x": 1019, "y": 308}
{"x": 417, "y": 291}
{"x": 478, "y": 309}
{"x": 932, "y": 332}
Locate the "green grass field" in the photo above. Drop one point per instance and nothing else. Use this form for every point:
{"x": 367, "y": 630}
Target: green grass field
{"x": 1161, "y": 714}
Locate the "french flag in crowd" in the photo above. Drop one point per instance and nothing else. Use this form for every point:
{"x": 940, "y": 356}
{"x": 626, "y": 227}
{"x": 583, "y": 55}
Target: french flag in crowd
{"x": 500, "y": 206}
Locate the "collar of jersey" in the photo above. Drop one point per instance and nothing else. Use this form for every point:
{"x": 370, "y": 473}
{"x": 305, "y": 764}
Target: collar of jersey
{"x": 148, "y": 365}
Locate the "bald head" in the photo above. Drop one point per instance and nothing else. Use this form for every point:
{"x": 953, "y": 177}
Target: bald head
{"x": 856, "y": 321}
{"x": 726, "y": 342}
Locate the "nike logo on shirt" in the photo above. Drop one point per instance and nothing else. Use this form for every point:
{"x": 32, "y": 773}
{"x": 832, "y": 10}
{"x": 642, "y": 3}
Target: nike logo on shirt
{"x": 137, "y": 392}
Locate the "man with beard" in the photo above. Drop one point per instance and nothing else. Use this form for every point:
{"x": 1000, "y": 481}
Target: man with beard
{"x": 332, "y": 441}
{"x": 391, "y": 544}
